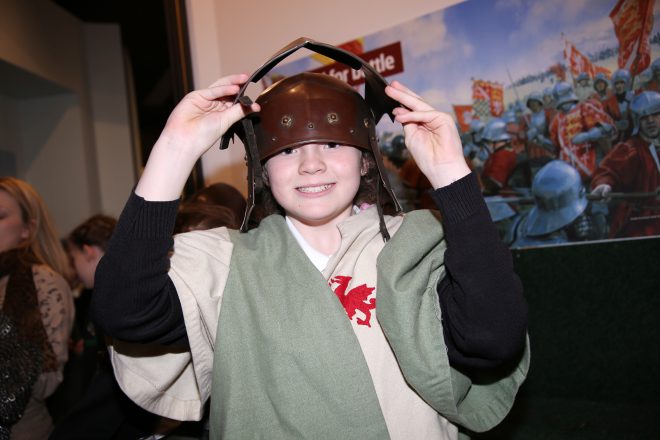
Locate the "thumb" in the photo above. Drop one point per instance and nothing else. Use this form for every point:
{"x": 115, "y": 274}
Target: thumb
{"x": 234, "y": 114}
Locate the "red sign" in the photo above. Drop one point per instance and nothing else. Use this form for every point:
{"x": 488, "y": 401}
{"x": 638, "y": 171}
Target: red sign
{"x": 386, "y": 60}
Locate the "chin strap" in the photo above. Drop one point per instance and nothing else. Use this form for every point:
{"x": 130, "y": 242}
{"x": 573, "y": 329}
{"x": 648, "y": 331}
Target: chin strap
{"x": 381, "y": 218}
{"x": 255, "y": 171}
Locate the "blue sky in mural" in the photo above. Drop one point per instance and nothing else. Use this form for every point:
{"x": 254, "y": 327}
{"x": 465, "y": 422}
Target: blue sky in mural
{"x": 499, "y": 40}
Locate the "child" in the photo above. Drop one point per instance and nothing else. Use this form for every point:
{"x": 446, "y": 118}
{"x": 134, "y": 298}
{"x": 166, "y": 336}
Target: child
{"x": 249, "y": 318}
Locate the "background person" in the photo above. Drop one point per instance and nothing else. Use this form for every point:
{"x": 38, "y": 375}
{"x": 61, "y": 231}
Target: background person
{"x": 34, "y": 294}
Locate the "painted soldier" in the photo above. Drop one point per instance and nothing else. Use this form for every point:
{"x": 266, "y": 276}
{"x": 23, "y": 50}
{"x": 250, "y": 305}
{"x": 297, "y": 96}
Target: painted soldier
{"x": 618, "y": 104}
{"x": 583, "y": 87}
{"x": 654, "y": 84}
{"x": 634, "y": 167}
{"x": 502, "y": 161}
{"x": 561, "y": 211}
{"x": 601, "y": 85}
{"x": 474, "y": 149}
{"x": 576, "y": 129}
{"x": 548, "y": 99}
{"x": 537, "y": 128}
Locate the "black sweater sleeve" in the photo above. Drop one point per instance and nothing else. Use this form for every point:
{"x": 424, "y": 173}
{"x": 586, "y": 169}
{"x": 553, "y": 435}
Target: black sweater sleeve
{"x": 134, "y": 299}
{"x": 481, "y": 298}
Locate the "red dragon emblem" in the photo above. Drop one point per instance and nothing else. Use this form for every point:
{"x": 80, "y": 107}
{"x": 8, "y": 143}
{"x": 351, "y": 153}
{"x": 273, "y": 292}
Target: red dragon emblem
{"x": 355, "y": 299}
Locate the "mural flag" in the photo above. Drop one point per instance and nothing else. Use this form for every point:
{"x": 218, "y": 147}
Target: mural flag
{"x": 481, "y": 99}
{"x": 496, "y": 99}
{"x": 633, "y": 23}
{"x": 463, "y": 116}
{"x": 577, "y": 61}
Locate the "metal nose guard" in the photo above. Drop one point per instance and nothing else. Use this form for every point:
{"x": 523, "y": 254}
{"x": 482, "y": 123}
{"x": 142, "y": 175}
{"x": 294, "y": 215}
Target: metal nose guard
{"x": 374, "y": 95}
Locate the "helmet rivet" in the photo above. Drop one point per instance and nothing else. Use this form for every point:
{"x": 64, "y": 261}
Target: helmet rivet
{"x": 310, "y": 125}
{"x": 287, "y": 121}
{"x": 333, "y": 118}
{"x": 351, "y": 131}
{"x": 366, "y": 122}
{"x": 274, "y": 139}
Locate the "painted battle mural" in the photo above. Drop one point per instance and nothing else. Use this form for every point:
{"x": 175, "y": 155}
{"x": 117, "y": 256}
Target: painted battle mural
{"x": 557, "y": 103}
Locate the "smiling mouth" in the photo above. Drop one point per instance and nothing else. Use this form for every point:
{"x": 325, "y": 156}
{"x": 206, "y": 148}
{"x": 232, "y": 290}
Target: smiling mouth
{"x": 314, "y": 189}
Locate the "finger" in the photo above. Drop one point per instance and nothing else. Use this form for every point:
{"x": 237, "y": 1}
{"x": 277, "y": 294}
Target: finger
{"x": 399, "y": 86}
{"x": 219, "y": 91}
{"x": 237, "y": 112}
{"x": 432, "y": 118}
{"x": 237, "y": 79}
{"x": 410, "y": 100}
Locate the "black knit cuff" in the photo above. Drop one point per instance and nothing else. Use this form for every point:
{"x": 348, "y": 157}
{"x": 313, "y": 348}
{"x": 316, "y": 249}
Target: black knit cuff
{"x": 458, "y": 200}
{"x": 142, "y": 219}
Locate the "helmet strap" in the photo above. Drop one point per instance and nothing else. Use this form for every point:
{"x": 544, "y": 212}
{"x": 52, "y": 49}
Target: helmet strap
{"x": 381, "y": 218}
{"x": 255, "y": 170}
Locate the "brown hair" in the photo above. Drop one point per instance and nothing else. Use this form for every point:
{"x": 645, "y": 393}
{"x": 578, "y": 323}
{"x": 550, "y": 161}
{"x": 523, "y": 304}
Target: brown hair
{"x": 43, "y": 241}
{"x": 197, "y": 216}
{"x": 95, "y": 231}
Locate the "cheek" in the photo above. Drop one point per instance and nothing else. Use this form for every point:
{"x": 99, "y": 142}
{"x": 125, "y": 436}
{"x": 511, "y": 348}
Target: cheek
{"x": 12, "y": 233}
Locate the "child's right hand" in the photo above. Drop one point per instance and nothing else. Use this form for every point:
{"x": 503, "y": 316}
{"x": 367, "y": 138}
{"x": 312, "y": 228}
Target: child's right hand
{"x": 203, "y": 116}
{"x": 195, "y": 124}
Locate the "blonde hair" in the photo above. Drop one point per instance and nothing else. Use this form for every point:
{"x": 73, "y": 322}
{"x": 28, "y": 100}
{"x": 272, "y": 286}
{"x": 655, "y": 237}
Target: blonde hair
{"x": 43, "y": 240}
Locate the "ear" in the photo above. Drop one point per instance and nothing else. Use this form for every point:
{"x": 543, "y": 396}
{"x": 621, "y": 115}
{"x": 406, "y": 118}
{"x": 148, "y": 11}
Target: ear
{"x": 29, "y": 230}
{"x": 364, "y": 167}
{"x": 90, "y": 252}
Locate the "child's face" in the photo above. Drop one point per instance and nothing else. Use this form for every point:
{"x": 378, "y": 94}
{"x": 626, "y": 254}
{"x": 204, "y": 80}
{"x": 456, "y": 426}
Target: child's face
{"x": 84, "y": 262}
{"x": 316, "y": 183}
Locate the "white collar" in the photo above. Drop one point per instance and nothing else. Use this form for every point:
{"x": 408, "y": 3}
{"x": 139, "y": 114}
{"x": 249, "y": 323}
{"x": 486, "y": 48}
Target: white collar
{"x": 318, "y": 259}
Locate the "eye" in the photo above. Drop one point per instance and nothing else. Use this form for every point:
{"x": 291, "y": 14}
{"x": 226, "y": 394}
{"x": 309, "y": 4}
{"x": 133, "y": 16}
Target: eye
{"x": 286, "y": 151}
{"x": 332, "y": 146}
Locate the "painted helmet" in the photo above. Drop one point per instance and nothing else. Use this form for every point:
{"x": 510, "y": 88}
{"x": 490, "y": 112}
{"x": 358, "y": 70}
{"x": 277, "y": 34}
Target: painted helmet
{"x": 534, "y": 96}
{"x": 396, "y": 149}
{"x": 476, "y": 130}
{"x": 645, "y": 104}
{"x": 582, "y": 76}
{"x": 655, "y": 65}
{"x": 560, "y": 198}
{"x": 562, "y": 93}
{"x": 312, "y": 108}
{"x": 601, "y": 77}
{"x": 509, "y": 116}
{"x": 495, "y": 131}
{"x": 622, "y": 75}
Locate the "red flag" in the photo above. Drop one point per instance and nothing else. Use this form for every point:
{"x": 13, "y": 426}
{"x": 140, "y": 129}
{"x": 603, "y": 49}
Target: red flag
{"x": 480, "y": 89}
{"x": 481, "y": 98}
{"x": 558, "y": 71}
{"x": 463, "y": 116}
{"x": 600, "y": 69}
{"x": 633, "y": 22}
{"x": 577, "y": 61}
{"x": 496, "y": 99}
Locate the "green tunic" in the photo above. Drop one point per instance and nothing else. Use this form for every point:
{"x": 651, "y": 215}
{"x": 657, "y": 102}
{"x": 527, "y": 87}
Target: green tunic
{"x": 287, "y": 363}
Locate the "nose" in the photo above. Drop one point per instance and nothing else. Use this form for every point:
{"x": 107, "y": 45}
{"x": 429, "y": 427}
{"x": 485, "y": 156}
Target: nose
{"x": 311, "y": 159}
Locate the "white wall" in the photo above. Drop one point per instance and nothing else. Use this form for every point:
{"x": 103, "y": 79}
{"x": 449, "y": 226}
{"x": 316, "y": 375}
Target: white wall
{"x": 228, "y": 37}
{"x": 112, "y": 129}
{"x": 63, "y": 104}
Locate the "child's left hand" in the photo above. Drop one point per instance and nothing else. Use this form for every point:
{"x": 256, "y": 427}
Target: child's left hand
{"x": 431, "y": 137}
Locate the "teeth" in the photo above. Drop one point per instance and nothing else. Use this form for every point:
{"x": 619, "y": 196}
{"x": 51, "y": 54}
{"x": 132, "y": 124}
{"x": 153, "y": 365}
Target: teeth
{"x": 313, "y": 189}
